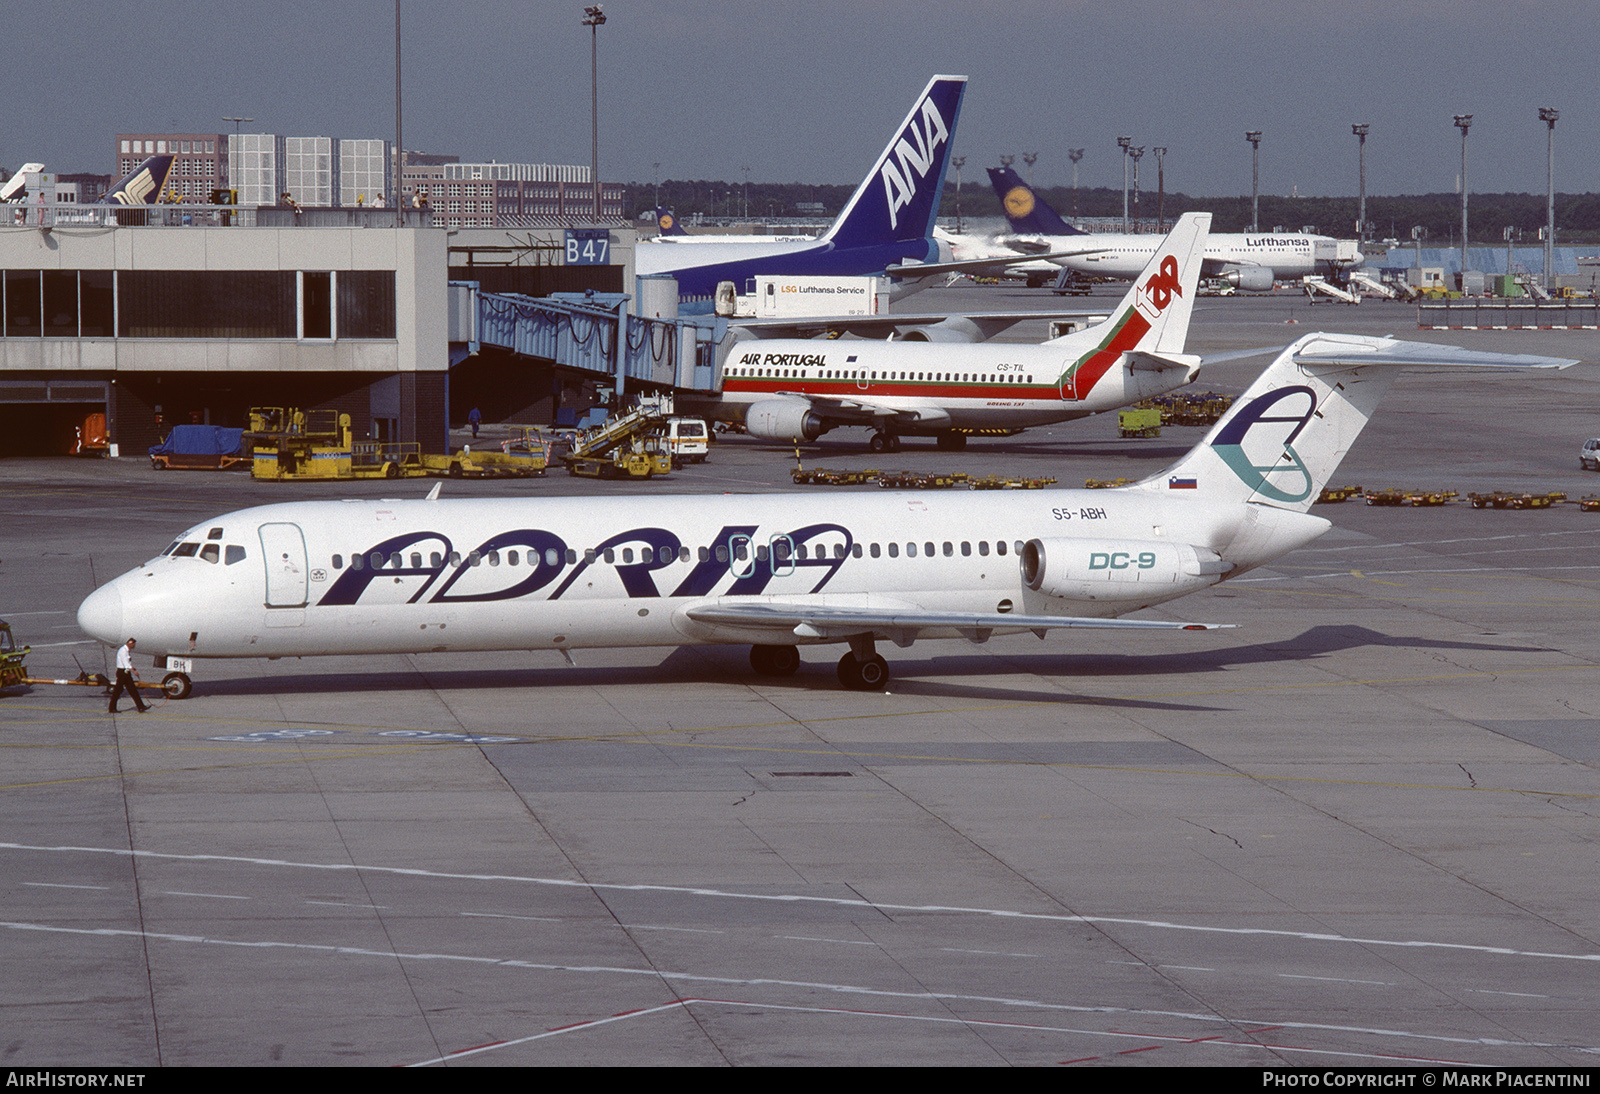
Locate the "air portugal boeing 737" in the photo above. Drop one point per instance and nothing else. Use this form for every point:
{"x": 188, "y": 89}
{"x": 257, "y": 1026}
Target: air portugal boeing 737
{"x": 775, "y": 571}
{"x": 797, "y": 390}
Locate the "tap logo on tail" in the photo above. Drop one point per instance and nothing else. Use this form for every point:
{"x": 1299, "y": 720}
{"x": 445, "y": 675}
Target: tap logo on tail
{"x": 1161, "y": 288}
{"x": 1270, "y": 443}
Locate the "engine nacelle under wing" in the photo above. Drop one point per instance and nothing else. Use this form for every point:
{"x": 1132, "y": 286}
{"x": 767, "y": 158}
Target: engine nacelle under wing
{"x": 1118, "y": 569}
{"x": 955, "y": 329}
{"x": 1249, "y": 278}
{"x": 784, "y": 420}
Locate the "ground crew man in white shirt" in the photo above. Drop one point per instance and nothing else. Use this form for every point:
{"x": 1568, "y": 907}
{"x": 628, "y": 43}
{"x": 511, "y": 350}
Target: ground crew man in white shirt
{"x": 126, "y": 675}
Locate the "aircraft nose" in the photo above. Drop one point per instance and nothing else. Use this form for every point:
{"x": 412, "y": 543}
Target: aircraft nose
{"x": 101, "y": 615}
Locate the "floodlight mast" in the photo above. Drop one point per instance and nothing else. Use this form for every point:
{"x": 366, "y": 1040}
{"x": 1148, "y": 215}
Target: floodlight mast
{"x": 1123, "y": 143}
{"x": 1463, "y": 123}
{"x": 1549, "y": 116}
{"x": 1361, "y": 130}
{"x": 1254, "y": 137}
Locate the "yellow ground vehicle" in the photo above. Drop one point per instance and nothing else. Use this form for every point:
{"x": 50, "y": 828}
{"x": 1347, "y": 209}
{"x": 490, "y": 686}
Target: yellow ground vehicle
{"x": 299, "y": 444}
{"x": 630, "y": 446}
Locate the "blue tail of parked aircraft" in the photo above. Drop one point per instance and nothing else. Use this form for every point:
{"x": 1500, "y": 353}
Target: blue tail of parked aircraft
{"x": 1026, "y": 210}
{"x": 899, "y": 199}
{"x": 667, "y": 223}
{"x": 142, "y": 185}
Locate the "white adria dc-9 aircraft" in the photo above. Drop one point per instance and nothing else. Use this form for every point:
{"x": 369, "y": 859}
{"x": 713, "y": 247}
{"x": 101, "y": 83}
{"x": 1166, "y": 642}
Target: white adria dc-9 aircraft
{"x": 776, "y": 571}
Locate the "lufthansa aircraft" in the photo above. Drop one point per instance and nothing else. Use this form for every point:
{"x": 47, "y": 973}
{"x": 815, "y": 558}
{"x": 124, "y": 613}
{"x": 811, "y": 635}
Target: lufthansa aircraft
{"x": 796, "y": 390}
{"x": 775, "y": 571}
{"x": 885, "y": 228}
{"x": 1250, "y": 261}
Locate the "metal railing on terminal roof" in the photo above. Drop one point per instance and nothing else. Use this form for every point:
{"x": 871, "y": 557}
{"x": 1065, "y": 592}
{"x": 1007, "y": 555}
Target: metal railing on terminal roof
{"x": 591, "y": 333}
{"x": 1501, "y": 313}
{"x": 67, "y": 214}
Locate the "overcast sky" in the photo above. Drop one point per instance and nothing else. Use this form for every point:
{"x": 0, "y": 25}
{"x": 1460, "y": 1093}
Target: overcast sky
{"x": 809, "y": 91}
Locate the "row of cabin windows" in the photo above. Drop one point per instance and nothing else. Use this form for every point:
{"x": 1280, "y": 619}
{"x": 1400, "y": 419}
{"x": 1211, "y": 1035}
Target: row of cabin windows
{"x": 210, "y": 551}
{"x": 863, "y": 374}
{"x": 780, "y": 550}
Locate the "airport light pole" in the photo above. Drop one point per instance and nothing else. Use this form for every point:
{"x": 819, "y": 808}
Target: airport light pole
{"x": 1463, "y": 123}
{"x": 1123, "y": 143}
{"x": 1254, "y": 137}
{"x": 399, "y": 145}
{"x": 1030, "y": 158}
{"x": 746, "y": 170}
{"x": 594, "y": 19}
{"x": 1549, "y": 116}
{"x": 1161, "y": 190}
{"x": 657, "y": 166}
{"x": 1136, "y": 154}
{"x": 1075, "y": 154}
{"x": 1361, "y": 131}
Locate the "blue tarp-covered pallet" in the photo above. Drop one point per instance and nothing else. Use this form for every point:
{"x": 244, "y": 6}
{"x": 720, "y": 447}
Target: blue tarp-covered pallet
{"x": 200, "y": 448}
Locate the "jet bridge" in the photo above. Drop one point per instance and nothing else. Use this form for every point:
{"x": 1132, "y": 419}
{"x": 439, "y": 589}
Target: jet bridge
{"x": 589, "y": 332}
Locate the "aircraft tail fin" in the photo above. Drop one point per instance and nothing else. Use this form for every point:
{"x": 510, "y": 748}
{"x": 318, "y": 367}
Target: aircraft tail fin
{"x": 1154, "y": 315}
{"x": 900, "y": 196}
{"x": 1025, "y": 209}
{"x": 667, "y": 223}
{"x": 15, "y": 188}
{"x": 1284, "y": 438}
{"x": 142, "y": 185}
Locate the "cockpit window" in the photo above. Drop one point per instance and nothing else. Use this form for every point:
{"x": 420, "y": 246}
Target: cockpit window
{"x": 186, "y": 550}
{"x": 233, "y": 553}
{"x": 215, "y": 533}
{"x": 211, "y": 552}
{"x": 170, "y": 547}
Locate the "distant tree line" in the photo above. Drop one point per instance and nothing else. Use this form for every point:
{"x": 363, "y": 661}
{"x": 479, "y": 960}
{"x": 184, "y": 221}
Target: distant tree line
{"x": 1577, "y": 215}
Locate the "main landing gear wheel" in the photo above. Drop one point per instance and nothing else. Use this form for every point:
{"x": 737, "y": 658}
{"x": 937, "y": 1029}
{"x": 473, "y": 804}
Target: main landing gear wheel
{"x": 884, "y": 442}
{"x": 869, "y": 675}
{"x": 774, "y": 660}
{"x": 177, "y": 685}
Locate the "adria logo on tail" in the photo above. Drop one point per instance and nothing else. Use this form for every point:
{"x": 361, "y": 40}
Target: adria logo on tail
{"x": 1269, "y": 444}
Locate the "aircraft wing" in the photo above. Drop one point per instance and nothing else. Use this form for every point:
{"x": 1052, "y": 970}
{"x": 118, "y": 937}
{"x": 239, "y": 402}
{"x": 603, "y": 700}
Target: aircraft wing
{"x": 904, "y": 625}
{"x": 988, "y": 324}
{"x": 917, "y": 270}
{"x": 868, "y": 412}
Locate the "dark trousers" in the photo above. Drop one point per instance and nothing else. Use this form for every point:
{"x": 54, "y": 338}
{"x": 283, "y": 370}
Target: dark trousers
{"x": 125, "y": 683}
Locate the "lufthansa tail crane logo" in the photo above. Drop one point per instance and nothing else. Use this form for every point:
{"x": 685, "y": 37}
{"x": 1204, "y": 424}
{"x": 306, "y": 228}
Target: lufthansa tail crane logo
{"x": 1161, "y": 288}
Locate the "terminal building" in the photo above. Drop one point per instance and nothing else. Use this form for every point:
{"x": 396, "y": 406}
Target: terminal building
{"x": 166, "y": 315}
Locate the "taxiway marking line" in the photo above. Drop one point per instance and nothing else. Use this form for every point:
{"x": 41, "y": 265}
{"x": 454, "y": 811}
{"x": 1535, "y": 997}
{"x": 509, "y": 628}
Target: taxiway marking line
{"x": 205, "y": 769}
{"x": 793, "y": 898}
{"x": 895, "y": 1016}
{"x": 750, "y": 982}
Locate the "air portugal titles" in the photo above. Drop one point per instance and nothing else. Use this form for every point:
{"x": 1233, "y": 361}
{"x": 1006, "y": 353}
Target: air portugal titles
{"x": 785, "y": 360}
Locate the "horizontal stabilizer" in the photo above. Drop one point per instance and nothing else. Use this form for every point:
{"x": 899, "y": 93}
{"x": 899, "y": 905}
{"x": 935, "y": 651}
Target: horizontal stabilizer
{"x": 1159, "y": 362}
{"x": 914, "y": 270}
{"x": 1339, "y": 351}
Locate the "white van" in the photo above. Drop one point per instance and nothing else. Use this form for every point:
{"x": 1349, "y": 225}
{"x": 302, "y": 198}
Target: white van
{"x": 1589, "y": 454}
{"x": 687, "y": 439}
